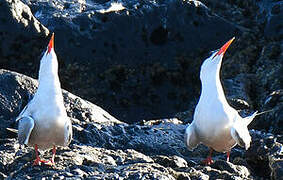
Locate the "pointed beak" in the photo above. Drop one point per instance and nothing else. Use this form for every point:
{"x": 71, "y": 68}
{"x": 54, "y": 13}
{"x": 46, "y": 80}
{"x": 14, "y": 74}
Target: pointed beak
{"x": 51, "y": 43}
{"x": 225, "y": 47}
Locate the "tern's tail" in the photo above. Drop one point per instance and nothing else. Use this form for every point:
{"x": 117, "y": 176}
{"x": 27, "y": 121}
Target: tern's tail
{"x": 250, "y": 118}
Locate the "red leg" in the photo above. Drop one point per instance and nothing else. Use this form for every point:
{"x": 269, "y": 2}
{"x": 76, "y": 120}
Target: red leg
{"x": 228, "y": 156}
{"x": 208, "y": 160}
{"x": 37, "y": 161}
{"x": 51, "y": 162}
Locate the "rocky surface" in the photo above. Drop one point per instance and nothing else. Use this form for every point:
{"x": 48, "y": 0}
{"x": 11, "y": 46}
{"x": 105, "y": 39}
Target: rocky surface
{"x": 106, "y": 148}
{"x": 258, "y": 55}
{"x": 140, "y": 60}
{"x": 108, "y": 49}
{"x": 131, "y": 56}
{"x": 22, "y": 36}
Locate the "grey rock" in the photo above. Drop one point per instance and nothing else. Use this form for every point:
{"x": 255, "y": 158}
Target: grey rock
{"x": 265, "y": 150}
{"x": 172, "y": 162}
{"x": 151, "y": 20}
{"x": 272, "y": 12}
{"x": 268, "y": 93}
{"x": 18, "y": 89}
{"x": 22, "y": 36}
{"x": 105, "y": 55}
{"x": 276, "y": 166}
{"x": 274, "y": 98}
{"x": 237, "y": 89}
{"x": 105, "y": 148}
{"x": 231, "y": 168}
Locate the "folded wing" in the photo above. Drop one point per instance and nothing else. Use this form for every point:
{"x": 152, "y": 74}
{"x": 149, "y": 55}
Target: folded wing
{"x": 25, "y": 128}
{"x": 191, "y": 139}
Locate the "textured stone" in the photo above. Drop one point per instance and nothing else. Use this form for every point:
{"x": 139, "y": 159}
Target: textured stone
{"x": 125, "y": 60}
{"x": 105, "y": 148}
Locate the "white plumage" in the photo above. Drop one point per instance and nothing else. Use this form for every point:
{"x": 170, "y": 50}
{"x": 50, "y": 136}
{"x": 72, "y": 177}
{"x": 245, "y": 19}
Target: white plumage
{"x": 216, "y": 124}
{"x": 44, "y": 123}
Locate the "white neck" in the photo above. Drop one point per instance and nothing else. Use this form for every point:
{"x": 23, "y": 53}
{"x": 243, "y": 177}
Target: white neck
{"x": 49, "y": 83}
{"x": 211, "y": 84}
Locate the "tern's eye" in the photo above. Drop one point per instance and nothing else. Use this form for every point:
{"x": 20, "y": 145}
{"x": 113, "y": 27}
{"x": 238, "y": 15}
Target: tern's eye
{"x": 212, "y": 52}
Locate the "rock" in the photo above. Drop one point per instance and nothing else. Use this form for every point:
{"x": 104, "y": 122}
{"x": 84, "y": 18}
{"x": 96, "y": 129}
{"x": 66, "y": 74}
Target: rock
{"x": 230, "y": 168}
{"x": 268, "y": 92}
{"x": 271, "y": 12}
{"x": 105, "y": 53}
{"x": 274, "y": 98}
{"x": 276, "y": 166}
{"x": 268, "y": 152}
{"x": 155, "y": 29}
{"x": 18, "y": 89}
{"x": 237, "y": 89}
{"x": 22, "y": 37}
{"x": 105, "y": 148}
{"x": 142, "y": 62}
{"x": 172, "y": 162}
{"x": 93, "y": 41}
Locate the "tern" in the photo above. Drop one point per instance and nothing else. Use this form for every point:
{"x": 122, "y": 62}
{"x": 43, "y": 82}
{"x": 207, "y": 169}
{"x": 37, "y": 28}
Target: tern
{"x": 44, "y": 123}
{"x": 215, "y": 123}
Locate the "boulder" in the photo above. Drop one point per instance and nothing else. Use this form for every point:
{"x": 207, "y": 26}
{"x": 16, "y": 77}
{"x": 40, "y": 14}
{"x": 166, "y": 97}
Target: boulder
{"x": 265, "y": 155}
{"x": 22, "y": 37}
{"x": 270, "y": 13}
{"x": 268, "y": 93}
{"x": 17, "y": 89}
{"x": 106, "y": 148}
{"x": 125, "y": 56}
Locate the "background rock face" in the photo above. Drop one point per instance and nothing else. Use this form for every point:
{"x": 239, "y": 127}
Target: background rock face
{"x": 22, "y": 37}
{"x": 141, "y": 59}
{"x": 105, "y": 148}
{"x": 128, "y": 61}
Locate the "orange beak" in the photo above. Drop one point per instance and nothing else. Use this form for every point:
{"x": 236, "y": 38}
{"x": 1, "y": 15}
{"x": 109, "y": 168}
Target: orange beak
{"x": 225, "y": 47}
{"x": 51, "y": 43}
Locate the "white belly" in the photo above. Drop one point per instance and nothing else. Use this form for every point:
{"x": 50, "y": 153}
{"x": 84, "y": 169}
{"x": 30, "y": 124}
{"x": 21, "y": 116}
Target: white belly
{"x": 219, "y": 139}
{"x": 213, "y": 128}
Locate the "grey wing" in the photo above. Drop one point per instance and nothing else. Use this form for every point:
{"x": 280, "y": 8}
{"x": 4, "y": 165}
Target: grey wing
{"x": 25, "y": 128}
{"x": 241, "y": 136}
{"x": 191, "y": 139}
{"x": 24, "y": 110}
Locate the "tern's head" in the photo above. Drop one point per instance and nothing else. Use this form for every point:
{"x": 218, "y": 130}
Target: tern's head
{"x": 48, "y": 62}
{"x": 213, "y": 63}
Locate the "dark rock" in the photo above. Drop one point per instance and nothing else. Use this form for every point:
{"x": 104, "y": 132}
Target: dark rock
{"x": 273, "y": 99}
{"x": 269, "y": 71}
{"x": 230, "y": 168}
{"x": 273, "y": 13}
{"x": 143, "y": 63}
{"x": 267, "y": 152}
{"x": 172, "y": 162}
{"x": 276, "y": 166}
{"x": 104, "y": 54}
{"x": 22, "y": 37}
{"x": 16, "y": 91}
{"x": 237, "y": 91}
{"x": 105, "y": 148}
